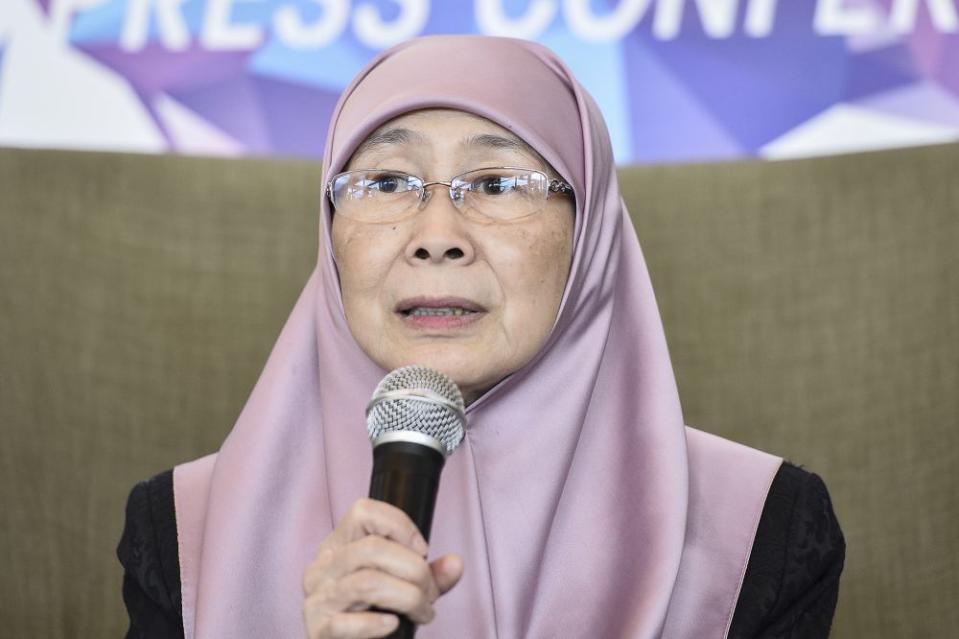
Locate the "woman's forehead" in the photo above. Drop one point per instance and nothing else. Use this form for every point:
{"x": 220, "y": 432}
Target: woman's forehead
{"x": 449, "y": 128}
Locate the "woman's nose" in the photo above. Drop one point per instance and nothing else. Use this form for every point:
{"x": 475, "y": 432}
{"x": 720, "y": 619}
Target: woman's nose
{"x": 440, "y": 233}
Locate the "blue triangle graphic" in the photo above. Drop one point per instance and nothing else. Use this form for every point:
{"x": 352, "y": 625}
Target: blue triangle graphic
{"x": 669, "y": 122}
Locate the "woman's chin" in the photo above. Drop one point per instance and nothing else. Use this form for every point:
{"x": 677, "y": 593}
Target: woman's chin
{"x": 472, "y": 381}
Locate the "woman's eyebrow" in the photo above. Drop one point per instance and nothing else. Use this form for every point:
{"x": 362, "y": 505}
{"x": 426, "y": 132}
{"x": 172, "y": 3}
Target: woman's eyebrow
{"x": 390, "y": 136}
{"x": 491, "y": 141}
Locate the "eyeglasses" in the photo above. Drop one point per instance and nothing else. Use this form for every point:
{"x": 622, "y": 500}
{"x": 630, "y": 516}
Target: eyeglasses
{"x": 495, "y": 194}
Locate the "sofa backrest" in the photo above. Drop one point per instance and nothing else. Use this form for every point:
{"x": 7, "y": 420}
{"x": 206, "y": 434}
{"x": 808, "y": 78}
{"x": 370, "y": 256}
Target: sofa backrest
{"x": 811, "y": 308}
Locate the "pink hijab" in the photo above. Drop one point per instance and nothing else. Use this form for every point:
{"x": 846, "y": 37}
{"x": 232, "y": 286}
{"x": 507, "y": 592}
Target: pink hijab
{"x": 581, "y": 504}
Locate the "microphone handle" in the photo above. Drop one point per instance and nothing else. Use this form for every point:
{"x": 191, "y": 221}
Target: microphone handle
{"x": 407, "y": 475}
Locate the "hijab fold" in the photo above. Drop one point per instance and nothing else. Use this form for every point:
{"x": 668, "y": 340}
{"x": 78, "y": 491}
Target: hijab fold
{"x": 582, "y": 505}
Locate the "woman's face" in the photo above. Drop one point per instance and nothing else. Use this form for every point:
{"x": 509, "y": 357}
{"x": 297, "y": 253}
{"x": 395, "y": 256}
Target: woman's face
{"x": 508, "y": 276}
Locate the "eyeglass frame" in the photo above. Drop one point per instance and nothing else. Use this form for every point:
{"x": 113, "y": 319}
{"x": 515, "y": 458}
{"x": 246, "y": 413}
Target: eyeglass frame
{"x": 554, "y": 185}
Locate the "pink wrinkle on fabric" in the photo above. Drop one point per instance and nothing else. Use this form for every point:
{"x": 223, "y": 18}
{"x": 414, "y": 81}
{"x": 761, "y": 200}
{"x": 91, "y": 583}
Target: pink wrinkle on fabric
{"x": 581, "y": 503}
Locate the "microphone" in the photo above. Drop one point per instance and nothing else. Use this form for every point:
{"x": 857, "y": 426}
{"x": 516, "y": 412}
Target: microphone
{"x": 415, "y": 420}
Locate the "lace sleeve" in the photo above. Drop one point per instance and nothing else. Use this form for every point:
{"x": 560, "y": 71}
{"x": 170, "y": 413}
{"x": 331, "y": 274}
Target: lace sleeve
{"x": 792, "y": 580}
{"x": 151, "y": 578}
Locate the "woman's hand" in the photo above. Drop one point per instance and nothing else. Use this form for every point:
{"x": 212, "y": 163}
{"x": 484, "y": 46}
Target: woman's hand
{"x": 375, "y": 557}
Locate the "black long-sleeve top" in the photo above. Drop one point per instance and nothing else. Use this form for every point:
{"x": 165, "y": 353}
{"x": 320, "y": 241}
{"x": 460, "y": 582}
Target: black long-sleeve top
{"x": 789, "y": 590}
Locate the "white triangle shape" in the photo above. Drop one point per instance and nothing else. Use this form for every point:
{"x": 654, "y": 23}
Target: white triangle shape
{"x": 190, "y": 132}
{"x": 845, "y": 129}
{"x": 53, "y": 96}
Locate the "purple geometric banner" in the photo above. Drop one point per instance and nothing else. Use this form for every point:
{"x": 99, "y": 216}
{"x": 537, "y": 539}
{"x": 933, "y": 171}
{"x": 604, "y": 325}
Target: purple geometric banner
{"x": 678, "y": 80}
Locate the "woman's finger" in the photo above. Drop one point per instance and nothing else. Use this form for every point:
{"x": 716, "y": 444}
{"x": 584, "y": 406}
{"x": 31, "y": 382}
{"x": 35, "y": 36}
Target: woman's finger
{"x": 367, "y": 588}
{"x": 374, "y": 558}
{"x": 447, "y": 571}
{"x": 376, "y": 553}
{"x": 354, "y": 625}
{"x": 390, "y": 557}
{"x": 374, "y": 517}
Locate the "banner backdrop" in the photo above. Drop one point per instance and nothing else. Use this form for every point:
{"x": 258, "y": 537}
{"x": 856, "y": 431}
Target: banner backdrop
{"x": 678, "y": 80}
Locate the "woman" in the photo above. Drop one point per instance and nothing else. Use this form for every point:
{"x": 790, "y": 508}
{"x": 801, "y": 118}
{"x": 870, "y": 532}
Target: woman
{"x": 578, "y": 504}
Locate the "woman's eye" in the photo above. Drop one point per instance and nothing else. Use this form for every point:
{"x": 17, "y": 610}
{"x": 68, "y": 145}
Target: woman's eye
{"x": 495, "y": 185}
{"x": 386, "y": 183}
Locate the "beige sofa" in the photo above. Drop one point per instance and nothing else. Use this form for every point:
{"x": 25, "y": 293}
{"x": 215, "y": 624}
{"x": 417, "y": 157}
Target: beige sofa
{"x": 811, "y": 307}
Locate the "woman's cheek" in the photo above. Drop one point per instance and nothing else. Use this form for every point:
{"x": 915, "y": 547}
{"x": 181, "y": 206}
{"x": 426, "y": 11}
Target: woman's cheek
{"x": 363, "y": 255}
{"x": 523, "y": 262}
{"x": 546, "y": 263}
{"x": 550, "y": 258}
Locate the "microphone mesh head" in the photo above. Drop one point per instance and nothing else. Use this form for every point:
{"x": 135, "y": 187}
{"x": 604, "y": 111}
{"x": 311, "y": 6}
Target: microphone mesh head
{"x": 418, "y": 399}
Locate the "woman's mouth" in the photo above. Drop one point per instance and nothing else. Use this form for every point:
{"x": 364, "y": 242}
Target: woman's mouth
{"x": 421, "y": 311}
{"x": 439, "y": 313}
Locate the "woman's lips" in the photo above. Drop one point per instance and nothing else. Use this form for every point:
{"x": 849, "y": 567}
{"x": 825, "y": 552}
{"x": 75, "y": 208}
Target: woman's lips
{"x": 439, "y": 313}
{"x": 441, "y": 322}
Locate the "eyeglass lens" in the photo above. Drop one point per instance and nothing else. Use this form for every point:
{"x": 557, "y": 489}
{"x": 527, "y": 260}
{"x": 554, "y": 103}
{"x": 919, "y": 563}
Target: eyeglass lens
{"x": 493, "y": 193}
